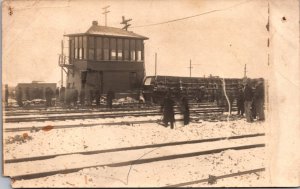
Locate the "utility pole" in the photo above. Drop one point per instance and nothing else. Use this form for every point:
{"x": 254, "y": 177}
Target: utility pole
{"x": 155, "y": 64}
{"x": 245, "y": 71}
{"x": 190, "y": 67}
{"x": 105, "y": 13}
{"x": 125, "y": 22}
{"x": 62, "y": 58}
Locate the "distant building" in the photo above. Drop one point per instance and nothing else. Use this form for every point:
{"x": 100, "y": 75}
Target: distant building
{"x": 34, "y": 90}
{"x": 105, "y": 58}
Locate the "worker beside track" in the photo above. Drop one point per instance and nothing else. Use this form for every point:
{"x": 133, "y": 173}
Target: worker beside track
{"x": 248, "y": 97}
{"x": 259, "y": 100}
{"x": 185, "y": 110}
{"x": 240, "y": 102}
{"x": 168, "y": 111}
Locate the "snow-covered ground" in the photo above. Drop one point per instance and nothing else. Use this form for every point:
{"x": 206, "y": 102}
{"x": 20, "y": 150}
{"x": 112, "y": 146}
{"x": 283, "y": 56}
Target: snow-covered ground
{"x": 93, "y": 173}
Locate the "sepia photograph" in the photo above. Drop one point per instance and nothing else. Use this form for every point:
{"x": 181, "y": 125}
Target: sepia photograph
{"x": 151, "y": 93}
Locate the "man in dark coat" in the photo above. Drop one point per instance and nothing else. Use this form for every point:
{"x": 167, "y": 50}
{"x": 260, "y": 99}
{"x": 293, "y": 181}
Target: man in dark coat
{"x": 240, "y": 102}
{"x": 248, "y": 97}
{"x": 259, "y": 97}
{"x": 185, "y": 110}
{"x": 168, "y": 111}
{"x": 48, "y": 95}
{"x": 20, "y": 97}
{"x": 109, "y": 98}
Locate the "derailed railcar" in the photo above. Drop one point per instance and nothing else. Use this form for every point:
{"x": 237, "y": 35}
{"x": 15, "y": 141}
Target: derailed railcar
{"x": 200, "y": 89}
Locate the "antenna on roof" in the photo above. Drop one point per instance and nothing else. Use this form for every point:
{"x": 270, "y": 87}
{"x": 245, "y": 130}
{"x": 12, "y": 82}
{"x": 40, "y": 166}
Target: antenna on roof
{"x": 105, "y": 13}
{"x": 125, "y": 22}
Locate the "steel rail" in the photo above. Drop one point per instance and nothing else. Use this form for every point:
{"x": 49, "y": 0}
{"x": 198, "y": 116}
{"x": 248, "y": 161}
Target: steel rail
{"x": 18, "y": 160}
{"x": 240, "y": 173}
{"x": 139, "y": 161}
{"x": 100, "y": 115}
{"x": 63, "y": 111}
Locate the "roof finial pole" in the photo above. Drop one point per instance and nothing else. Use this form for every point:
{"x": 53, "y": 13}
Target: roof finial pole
{"x": 105, "y": 13}
{"x": 125, "y": 22}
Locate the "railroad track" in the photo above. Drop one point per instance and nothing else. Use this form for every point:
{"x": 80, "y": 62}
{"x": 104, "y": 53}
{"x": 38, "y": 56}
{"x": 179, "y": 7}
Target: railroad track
{"x": 188, "y": 149}
{"x": 103, "y": 115}
{"x": 86, "y": 110}
{"x": 18, "y": 129}
{"x": 128, "y": 163}
{"x": 208, "y": 180}
{"x": 18, "y": 160}
{"x": 193, "y": 119}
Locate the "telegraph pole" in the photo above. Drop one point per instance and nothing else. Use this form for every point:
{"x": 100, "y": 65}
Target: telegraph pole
{"x": 155, "y": 64}
{"x": 190, "y": 67}
{"x": 62, "y": 57}
{"x": 245, "y": 71}
{"x": 105, "y": 13}
{"x": 125, "y": 22}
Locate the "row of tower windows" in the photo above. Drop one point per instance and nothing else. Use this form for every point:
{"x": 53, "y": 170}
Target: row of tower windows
{"x": 104, "y": 48}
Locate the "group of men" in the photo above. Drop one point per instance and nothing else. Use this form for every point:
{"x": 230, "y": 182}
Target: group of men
{"x": 168, "y": 110}
{"x": 250, "y": 101}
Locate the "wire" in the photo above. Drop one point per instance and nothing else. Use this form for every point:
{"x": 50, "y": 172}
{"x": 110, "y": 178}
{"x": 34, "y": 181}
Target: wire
{"x": 196, "y": 15}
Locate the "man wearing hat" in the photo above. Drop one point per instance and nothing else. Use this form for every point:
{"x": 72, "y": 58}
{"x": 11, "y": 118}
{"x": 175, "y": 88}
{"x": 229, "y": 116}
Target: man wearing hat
{"x": 259, "y": 97}
{"x": 248, "y": 98}
{"x": 240, "y": 101}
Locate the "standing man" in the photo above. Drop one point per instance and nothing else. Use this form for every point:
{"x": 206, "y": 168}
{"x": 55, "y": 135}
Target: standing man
{"x": 48, "y": 95}
{"x": 248, "y": 97}
{"x": 259, "y": 100}
{"x": 20, "y": 97}
{"x": 185, "y": 110}
{"x": 109, "y": 98}
{"x": 240, "y": 102}
{"x": 168, "y": 111}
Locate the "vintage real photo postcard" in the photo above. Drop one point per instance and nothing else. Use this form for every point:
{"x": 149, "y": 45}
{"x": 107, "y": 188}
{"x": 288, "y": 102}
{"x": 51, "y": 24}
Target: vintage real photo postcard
{"x": 151, "y": 93}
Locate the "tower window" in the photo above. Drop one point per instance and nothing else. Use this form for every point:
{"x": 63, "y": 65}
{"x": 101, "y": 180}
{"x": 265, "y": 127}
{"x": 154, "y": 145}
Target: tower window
{"x": 113, "y": 49}
{"x": 106, "y": 48}
{"x": 99, "y": 48}
{"x": 120, "y": 49}
{"x": 132, "y": 50}
{"x": 91, "y": 48}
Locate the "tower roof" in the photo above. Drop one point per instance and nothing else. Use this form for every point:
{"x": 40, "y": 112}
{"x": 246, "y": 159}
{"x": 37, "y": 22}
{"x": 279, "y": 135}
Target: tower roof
{"x": 96, "y": 29}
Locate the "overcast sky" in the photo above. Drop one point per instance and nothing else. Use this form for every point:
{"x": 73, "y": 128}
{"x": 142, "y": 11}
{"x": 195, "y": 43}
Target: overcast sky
{"x": 231, "y": 34}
